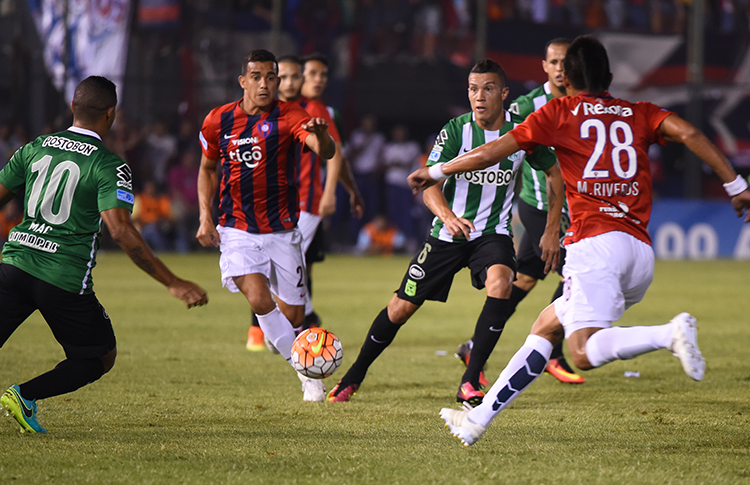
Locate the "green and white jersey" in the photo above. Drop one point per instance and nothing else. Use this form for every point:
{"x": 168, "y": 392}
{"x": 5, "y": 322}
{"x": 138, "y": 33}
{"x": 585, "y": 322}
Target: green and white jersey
{"x": 484, "y": 197}
{"x": 69, "y": 178}
{"x": 533, "y": 182}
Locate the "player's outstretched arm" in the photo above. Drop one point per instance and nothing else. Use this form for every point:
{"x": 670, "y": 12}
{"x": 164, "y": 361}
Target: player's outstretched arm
{"x": 550, "y": 241}
{"x": 127, "y": 236}
{"x": 333, "y": 171}
{"x": 477, "y": 159}
{"x": 678, "y": 130}
{"x": 207, "y": 234}
{"x": 319, "y": 140}
{"x": 435, "y": 200}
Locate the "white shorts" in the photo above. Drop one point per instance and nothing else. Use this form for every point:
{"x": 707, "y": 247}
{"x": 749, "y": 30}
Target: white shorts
{"x": 277, "y": 256}
{"x": 604, "y": 276}
{"x": 307, "y": 225}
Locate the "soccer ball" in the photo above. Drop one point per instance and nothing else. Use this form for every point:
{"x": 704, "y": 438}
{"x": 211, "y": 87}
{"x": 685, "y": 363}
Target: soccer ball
{"x": 316, "y": 353}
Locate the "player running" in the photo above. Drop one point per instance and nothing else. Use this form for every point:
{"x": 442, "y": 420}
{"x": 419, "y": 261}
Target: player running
{"x": 471, "y": 229}
{"x": 602, "y": 146}
{"x": 254, "y": 139}
{"x": 316, "y": 201}
{"x": 73, "y": 183}
{"x": 532, "y": 209}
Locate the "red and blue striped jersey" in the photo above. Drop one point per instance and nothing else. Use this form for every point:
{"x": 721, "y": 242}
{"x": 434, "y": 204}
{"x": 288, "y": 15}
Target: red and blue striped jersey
{"x": 258, "y": 164}
{"x": 310, "y": 184}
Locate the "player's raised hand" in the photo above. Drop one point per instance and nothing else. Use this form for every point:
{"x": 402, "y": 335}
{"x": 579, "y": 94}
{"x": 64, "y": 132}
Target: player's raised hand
{"x": 420, "y": 179}
{"x": 458, "y": 226}
{"x": 207, "y": 235}
{"x": 550, "y": 246}
{"x": 741, "y": 204}
{"x": 317, "y": 126}
{"x": 189, "y": 292}
{"x": 357, "y": 204}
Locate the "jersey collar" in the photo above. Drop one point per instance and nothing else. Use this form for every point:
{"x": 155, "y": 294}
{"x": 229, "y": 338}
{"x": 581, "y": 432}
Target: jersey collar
{"x": 84, "y": 131}
{"x": 547, "y": 89}
{"x": 604, "y": 95}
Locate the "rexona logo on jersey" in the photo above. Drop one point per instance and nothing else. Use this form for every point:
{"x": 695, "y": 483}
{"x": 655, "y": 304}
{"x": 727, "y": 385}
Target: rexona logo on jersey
{"x": 487, "y": 177}
{"x": 600, "y": 109}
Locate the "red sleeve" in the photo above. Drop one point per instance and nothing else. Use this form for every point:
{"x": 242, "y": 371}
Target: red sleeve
{"x": 209, "y": 136}
{"x": 537, "y": 129}
{"x": 316, "y": 109}
{"x": 655, "y": 115}
{"x": 296, "y": 117}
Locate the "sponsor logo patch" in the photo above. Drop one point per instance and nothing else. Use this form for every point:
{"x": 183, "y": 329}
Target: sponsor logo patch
{"x": 411, "y": 288}
{"x": 434, "y": 156}
{"x": 416, "y": 272}
{"x": 125, "y": 196}
{"x": 126, "y": 176}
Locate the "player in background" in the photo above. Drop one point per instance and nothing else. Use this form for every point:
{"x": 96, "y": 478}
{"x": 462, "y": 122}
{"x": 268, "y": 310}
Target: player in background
{"x": 315, "y": 74}
{"x": 315, "y": 200}
{"x": 73, "y": 183}
{"x": 252, "y": 142}
{"x": 602, "y": 146}
{"x": 532, "y": 209}
{"x": 472, "y": 228}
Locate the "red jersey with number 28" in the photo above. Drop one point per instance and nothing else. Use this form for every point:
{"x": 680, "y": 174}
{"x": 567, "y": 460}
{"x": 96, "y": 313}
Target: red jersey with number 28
{"x": 258, "y": 164}
{"x": 310, "y": 184}
{"x": 602, "y": 145}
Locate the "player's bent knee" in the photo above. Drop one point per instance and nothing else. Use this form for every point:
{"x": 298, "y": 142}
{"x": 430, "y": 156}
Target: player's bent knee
{"x": 399, "y": 311}
{"x": 577, "y": 347}
{"x": 525, "y": 282}
{"x": 580, "y": 360}
{"x": 548, "y": 326}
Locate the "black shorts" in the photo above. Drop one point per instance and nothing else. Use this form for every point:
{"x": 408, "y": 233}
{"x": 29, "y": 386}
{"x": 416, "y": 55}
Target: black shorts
{"x": 317, "y": 250}
{"x": 529, "y": 254}
{"x": 431, "y": 272}
{"x": 78, "y": 322}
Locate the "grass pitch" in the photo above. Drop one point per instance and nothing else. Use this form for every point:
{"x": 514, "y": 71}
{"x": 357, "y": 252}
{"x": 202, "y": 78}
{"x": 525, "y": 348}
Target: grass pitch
{"x": 186, "y": 403}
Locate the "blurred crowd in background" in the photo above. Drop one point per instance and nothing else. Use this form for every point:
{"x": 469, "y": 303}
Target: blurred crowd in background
{"x": 165, "y": 154}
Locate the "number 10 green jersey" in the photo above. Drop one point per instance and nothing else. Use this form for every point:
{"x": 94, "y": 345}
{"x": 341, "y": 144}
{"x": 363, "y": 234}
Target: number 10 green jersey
{"x": 69, "y": 178}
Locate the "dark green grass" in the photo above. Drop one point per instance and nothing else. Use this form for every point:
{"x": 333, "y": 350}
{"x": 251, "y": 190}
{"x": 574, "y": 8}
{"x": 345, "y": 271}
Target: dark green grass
{"x": 186, "y": 403}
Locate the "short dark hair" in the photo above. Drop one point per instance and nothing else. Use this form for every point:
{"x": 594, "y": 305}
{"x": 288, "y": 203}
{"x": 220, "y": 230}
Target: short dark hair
{"x": 93, "y": 97}
{"x": 259, "y": 55}
{"x": 316, "y": 56}
{"x": 555, "y": 41}
{"x": 587, "y": 65}
{"x": 290, "y": 58}
{"x": 489, "y": 66}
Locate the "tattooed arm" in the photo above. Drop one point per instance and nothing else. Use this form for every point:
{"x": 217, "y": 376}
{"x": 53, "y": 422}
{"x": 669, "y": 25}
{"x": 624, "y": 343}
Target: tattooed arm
{"x": 130, "y": 240}
{"x": 550, "y": 242}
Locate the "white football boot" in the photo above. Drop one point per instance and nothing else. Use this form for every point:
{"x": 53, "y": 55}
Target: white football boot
{"x": 457, "y": 420}
{"x": 685, "y": 345}
{"x": 314, "y": 389}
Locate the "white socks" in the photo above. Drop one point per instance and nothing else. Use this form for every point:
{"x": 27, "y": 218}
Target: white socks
{"x": 279, "y": 331}
{"x": 624, "y": 343}
{"x": 524, "y": 367}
